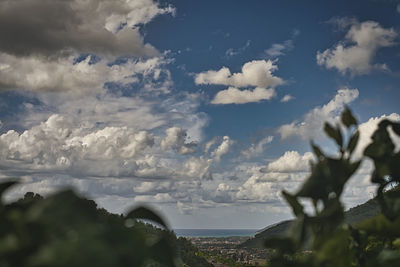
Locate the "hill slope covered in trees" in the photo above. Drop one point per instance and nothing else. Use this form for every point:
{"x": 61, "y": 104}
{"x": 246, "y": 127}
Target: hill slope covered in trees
{"x": 353, "y": 216}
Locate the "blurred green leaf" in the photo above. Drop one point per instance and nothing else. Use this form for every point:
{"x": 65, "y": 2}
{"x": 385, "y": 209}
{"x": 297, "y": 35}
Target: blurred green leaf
{"x": 317, "y": 151}
{"x": 396, "y": 128}
{"x": 146, "y": 214}
{"x": 348, "y": 118}
{"x": 292, "y": 201}
{"x": 334, "y": 133}
{"x": 353, "y": 142}
{"x": 5, "y": 185}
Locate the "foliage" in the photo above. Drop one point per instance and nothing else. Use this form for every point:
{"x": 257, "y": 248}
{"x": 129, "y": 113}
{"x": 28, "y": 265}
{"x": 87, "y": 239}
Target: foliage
{"x": 66, "y": 230}
{"x": 322, "y": 238}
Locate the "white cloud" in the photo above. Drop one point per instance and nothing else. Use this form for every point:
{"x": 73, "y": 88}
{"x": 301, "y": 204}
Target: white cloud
{"x": 223, "y": 148}
{"x": 256, "y": 73}
{"x": 58, "y": 144}
{"x": 233, "y": 95}
{"x": 398, "y": 8}
{"x": 356, "y": 53}
{"x": 266, "y": 187}
{"x": 44, "y": 74}
{"x": 278, "y": 49}
{"x": 176, "y": 138}
{"x": 367, "y": 128}
{"x": 311, "y": 125}
{"x": 198, "y": 168}
{"x": 256, "y": 149}
{"x": 287, "y": 98}
{"x": 232, "y": 52}
{"x": 207, "y": 146}
{"x": 291, "y": 161}
{"x": 184, "y": 208}
{"x": 63, "y": 145}
{"x": 157, "y": 198}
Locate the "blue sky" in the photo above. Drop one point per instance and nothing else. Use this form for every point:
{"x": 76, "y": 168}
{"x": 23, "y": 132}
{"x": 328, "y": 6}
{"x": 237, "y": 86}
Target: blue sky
{"x": 201, "y": 109}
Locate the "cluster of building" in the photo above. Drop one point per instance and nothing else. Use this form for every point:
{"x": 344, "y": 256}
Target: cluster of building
{"x": 222, "y": 251}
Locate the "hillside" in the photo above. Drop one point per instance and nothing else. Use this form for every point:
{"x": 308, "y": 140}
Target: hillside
{"x": 352, "y": 216}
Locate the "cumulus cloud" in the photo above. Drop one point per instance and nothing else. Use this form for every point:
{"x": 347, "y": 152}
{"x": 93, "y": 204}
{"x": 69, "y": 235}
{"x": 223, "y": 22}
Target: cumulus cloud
{"x": 254, "y": 73}
{"x": 256, "y": 149}
{"x": 63, "y": 145}
{"x": 356, "y": 53}
{"x": 198, "y": 168}
{"x": 176, "y": 138}
{"x": 257, "y": 73}
{"x": 207, "y": 146}
{"x": 58, "y": 144}
{"x": 287, "y": 98}
{"x": 96, "y": 26}
{"x": 367, "y": 128}
{"x": 233, "y": 95}
{"x": 223, "y": 148}
{"x": 311, "y": 125}
{"x": 266, "y": 187}
{"x": 291, "y": 161}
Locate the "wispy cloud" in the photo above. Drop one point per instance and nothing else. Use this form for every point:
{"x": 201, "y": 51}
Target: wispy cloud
{"x": 233, "y": 52}
{"x": 287, "y": 98}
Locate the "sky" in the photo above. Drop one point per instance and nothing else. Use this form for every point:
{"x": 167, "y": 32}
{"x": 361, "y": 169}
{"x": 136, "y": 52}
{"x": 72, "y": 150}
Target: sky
{"x": 201, "y": 110}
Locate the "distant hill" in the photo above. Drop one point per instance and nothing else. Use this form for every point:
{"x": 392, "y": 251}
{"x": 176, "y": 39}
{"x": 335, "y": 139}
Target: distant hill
{"x": 352, "y": 216}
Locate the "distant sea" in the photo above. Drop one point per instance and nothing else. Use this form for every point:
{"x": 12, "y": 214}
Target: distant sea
{"x": 214, "y": 232}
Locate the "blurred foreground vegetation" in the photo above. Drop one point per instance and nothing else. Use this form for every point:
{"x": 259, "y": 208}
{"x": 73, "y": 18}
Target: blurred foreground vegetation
{"x": 66, "y": 230}
{"x": 322, "y": 238}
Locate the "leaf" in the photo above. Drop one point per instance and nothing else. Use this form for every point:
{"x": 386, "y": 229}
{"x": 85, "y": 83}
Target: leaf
{"x": 292, "y": 200}
{"x": 4, "y": 186}
{"x": 146, "y": 214}
{"x": 317, "y": 151}
{"x": 353, "y": 142}
{"x": 396, "y": 128}
{"x": 348, "y": 118}
{"x": 334, "y": 133}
